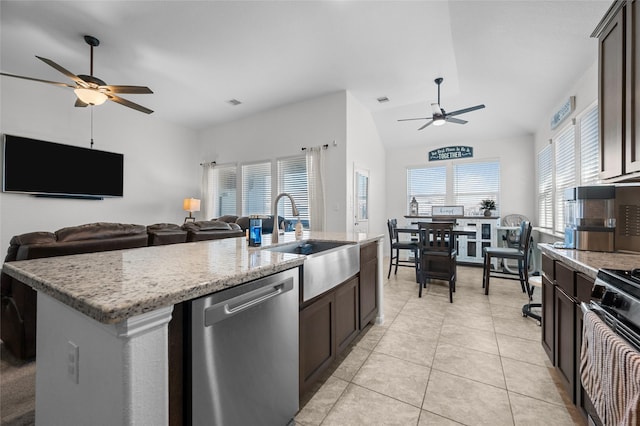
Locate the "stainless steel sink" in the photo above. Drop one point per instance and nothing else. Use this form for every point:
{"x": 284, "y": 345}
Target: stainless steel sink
{"x": 327, "y": 264}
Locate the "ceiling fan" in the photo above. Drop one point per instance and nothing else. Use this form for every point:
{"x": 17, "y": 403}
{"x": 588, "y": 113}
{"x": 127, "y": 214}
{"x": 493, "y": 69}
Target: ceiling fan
{"x": 90, "y": 90}
{"x": 440, "y": 116}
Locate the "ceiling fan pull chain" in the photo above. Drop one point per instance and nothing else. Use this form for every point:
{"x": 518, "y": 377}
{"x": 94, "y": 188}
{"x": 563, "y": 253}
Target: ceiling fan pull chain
{"x": 91, "y": 106}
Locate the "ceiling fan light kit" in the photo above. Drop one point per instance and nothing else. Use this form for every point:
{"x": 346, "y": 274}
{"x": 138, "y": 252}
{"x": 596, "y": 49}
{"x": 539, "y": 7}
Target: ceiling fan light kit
{"x": 91, "y": 90}
{"x": 439, "y": 115}
{"x": 90, "y": 96}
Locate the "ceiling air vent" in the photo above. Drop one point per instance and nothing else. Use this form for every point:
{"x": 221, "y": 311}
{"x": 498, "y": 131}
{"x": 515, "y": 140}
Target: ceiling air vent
{"x": 383, "y": 99}
{"x": 234, "y": 102}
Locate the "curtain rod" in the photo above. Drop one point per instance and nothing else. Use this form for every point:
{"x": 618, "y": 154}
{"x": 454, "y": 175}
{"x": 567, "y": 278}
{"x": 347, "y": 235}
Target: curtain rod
{"x": 325, "y": 146}
{"x": 208, "y": 163}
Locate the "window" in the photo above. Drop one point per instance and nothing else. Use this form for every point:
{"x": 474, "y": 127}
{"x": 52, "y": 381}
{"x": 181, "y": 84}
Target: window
{"x": 256, "y": 189}
{"x": 292, "y": 179}
{"x": 545, "y": 188}
{"x": 589, "y": 147}
{"x": 474, "y": 182}
{"x": 573, "y": 160}
{"x": 565, "y": 167}
{"x": 224, "y": 181}
{"x": 429, "y": 186}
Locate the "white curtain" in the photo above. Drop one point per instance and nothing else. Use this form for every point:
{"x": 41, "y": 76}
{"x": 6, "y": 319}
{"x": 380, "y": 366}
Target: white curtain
{"x": 207, "y": 205}
{"x": 315, "y": 174}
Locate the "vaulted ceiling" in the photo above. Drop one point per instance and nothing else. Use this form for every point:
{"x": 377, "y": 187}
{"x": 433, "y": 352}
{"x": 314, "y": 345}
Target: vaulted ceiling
{"x": 516, "y": 57}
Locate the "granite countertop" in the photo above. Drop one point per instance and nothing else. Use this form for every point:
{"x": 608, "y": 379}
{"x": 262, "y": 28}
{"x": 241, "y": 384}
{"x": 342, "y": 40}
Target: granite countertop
{"x": 588, "y": 262}
{"x": 114, "y": 285}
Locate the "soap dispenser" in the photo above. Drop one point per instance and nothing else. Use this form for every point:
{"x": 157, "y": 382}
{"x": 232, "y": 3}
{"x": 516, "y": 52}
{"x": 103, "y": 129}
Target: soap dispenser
{"x": 298, "y": 232}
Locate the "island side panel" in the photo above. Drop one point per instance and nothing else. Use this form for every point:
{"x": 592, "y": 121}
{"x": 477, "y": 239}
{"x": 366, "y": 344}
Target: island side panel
{"x": 122, "y": 369}
{"x": 380, "y": 295}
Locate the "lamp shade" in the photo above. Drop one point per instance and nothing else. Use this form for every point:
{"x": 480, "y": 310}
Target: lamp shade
{"x": 191, "y": 205}
{"x": 90, "y": 96}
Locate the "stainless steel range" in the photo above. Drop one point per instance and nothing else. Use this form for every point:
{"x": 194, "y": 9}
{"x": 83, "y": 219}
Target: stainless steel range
{"x": 616, "y": 299}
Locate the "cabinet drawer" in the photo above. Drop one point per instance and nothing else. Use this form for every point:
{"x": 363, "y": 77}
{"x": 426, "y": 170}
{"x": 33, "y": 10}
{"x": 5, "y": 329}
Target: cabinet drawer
{"x": 368, "y": 252}
{"x": 566, "y": 279}
{"x": 548, "y": 267}
{"x": 584, "y": 285}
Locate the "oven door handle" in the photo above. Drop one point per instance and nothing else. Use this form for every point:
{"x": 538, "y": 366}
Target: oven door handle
{"x": 585, "y": 307}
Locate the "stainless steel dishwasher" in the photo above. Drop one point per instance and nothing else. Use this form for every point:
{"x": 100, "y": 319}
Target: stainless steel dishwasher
{"x": 244, "y": 353}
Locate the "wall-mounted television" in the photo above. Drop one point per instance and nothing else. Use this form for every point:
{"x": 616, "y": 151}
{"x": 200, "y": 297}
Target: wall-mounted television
{"x": 52, "y": 169}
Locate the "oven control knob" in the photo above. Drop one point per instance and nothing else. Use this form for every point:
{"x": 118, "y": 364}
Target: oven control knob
{"x": 612, "y": 299}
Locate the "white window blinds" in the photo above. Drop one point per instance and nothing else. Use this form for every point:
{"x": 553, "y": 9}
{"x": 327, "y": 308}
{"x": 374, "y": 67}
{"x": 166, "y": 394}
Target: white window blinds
{"x": 224, "y": 178}
{"x": 429, "y": 186}
{"x": 474, "y": 182}
{"x": 565, "y": 166}
{"x": 292, "y": 179}
{"x": 589, "y": 147}
{"x": 545, "y": 188}
{"x": 256, "y": 189}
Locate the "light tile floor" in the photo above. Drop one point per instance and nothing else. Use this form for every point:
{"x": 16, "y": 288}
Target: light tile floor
{"x": 474, "y": 362}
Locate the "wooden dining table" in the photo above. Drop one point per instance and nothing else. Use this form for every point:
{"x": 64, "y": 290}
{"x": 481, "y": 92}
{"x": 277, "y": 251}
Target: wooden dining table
{"x": 468, "y": 231}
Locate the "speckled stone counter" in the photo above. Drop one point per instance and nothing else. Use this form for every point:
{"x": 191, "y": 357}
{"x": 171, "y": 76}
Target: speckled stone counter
{"x": 115, "y": 285}
{"x": 588, "y": 262}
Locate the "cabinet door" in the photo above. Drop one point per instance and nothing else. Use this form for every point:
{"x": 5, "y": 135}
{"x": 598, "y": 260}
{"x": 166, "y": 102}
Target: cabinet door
{"x": 347, "y": 318}
{"x": 317, "y": 342}
{"x": 565, "y": 356}
{"x": 611, "y": 88}
{"x": 368, "y": 284}
{"x": 548, "y": 324}
{"x": 632, "y": 142}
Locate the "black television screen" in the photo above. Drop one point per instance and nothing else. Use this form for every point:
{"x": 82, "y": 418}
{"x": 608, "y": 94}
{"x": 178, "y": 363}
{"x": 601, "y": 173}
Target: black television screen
{"x": 47, "y": 168}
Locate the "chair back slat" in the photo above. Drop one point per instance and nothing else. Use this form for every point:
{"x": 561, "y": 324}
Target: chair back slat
{"x": 392, "y": 224}
{"x": 436, "y": 236}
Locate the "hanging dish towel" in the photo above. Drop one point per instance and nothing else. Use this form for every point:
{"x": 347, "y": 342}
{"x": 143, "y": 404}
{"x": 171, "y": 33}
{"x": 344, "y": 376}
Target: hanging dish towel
{"x": 610, "y": 373}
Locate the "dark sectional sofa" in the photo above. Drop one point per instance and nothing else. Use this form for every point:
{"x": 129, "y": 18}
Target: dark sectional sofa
{"x": 18, "y": 302}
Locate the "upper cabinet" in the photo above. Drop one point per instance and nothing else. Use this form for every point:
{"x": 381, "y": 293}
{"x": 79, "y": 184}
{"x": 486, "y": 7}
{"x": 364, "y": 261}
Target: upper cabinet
{"x": 619, "y": 91}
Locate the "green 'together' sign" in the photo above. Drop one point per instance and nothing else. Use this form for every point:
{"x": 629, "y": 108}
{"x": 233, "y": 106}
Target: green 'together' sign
{"x": 451, "y": 152}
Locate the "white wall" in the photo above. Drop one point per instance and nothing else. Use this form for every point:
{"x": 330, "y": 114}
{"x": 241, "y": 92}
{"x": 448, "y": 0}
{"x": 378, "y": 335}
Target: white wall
{"x": 517, "y": 172}
{"x": 585, "y": 90}
{"x": 366, "y": 152}
{"x": 282, "y": 132}
{"x": 160, "y": 162}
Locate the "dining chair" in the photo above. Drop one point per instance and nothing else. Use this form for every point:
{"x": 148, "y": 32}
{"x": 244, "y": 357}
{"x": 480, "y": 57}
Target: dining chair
{"x": 397, "y": 246}
{"x": 519, "y": 253}
{"x": 437, "y": 255}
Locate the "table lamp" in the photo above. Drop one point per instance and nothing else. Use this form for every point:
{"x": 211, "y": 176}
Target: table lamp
{"x": 190, "y": 205}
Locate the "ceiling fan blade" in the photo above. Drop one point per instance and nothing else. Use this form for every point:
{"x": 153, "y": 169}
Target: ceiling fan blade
{"x": 126, "y": 89}
{"x": 79, "y": 103}
{"x": 129, "y": 104}
{"x": 37, "y": 79}
{"x": 456, "y": 120}
{"x": 428, "y": 123}
{"x": 64, "y": 71}
{"x": 409, "y": 119}
{"x": 465, "y": 110}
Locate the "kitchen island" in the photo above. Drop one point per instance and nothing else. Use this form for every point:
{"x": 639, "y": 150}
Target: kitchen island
{"x": 102, "y": 320}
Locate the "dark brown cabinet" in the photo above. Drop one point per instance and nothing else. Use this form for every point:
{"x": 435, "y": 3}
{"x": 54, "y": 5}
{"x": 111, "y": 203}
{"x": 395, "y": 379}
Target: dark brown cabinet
{"x": 548, "y": 303}
{"x": 565, "y": 356}
{"x": 347, "y": 318}
{"x": 317, "y": 339}
{"x": 368, "y": 283}
{"x": 563, "y": 289}
{"x": 618, "y": 91}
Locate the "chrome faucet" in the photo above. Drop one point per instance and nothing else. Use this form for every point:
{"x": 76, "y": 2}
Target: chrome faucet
{"x": 276, "y": 229}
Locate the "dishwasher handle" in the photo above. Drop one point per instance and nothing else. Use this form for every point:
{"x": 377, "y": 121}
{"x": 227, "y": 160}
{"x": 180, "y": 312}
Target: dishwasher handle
{"x": 228, "y": 308}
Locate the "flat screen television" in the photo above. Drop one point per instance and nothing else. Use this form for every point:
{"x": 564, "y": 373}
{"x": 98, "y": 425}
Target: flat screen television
{"x": 52, "y": 169}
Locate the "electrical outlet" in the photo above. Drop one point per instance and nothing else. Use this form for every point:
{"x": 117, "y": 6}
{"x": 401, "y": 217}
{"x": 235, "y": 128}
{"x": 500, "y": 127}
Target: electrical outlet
{"x": 73, "y": 354}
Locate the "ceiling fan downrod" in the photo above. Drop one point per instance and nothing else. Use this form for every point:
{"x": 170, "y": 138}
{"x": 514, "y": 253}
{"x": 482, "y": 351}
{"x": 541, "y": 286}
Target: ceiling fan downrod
{"x": 93, "y": 42}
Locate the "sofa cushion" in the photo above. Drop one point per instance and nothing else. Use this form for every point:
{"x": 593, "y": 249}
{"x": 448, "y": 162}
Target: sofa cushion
{"x": 235, "y": 227}
{"x": 229, "y": 218}
{"x": 28, "y": 238}
{"x": 98, "y": 230}
{"x": 160, "y": 227}
{"x": 206, "y": 225}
